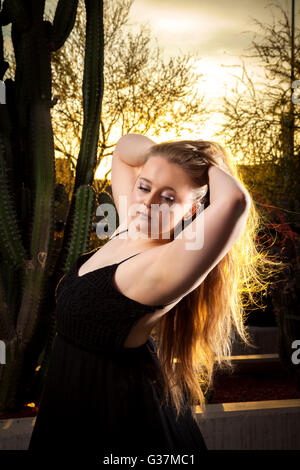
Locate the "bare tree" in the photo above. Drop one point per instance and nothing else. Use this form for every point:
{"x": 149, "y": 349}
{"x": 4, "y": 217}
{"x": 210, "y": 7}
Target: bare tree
{"x": 142, "y": 92}
{"x": 262, "y": 122}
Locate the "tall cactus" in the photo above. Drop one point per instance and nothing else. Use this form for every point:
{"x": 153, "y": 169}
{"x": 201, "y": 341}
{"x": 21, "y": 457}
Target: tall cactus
{"x": 30, "y": 268}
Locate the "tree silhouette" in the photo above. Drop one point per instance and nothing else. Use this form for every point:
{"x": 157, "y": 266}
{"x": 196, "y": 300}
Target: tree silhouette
{"x": 262, "y": 121}
{"x": 143, "y": 93}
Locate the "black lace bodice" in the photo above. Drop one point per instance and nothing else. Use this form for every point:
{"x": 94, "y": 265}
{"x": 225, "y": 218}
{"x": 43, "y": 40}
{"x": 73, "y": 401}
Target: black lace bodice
{"x": 92, "y": 313}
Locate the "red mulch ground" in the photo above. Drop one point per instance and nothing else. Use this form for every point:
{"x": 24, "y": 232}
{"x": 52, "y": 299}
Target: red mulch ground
{"x": 236, "y": 388}
{"x": 26, "y": 412}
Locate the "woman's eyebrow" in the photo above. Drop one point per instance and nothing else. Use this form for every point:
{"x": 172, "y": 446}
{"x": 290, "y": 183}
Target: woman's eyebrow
{"x": 148, "y": 181}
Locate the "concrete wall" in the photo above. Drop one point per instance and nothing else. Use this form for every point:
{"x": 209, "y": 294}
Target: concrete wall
{"x": 269, "y": 425}
{"x": 262, "y": 425}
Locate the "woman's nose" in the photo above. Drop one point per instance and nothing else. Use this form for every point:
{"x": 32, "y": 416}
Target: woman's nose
{"x": 148, "y": 200}
{"x": 148, "y": 203}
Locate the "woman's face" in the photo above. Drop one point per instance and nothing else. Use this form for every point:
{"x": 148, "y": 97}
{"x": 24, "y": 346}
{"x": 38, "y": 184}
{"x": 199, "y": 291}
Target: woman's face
{"x": 163, "y": 192}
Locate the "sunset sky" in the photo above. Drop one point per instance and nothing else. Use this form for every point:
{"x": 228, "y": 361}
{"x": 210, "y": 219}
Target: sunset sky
{"x": 217, "y": 31}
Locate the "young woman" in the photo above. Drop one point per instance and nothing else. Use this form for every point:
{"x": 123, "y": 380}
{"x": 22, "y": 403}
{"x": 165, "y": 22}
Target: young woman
{"x": 110, "y": 386}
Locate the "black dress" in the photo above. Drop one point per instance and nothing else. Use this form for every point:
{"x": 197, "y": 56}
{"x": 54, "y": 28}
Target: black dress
{"x": 100, "y": 397}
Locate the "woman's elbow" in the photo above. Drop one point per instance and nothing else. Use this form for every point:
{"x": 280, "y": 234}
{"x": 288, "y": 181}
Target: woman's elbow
{"x": 243, "y": 199}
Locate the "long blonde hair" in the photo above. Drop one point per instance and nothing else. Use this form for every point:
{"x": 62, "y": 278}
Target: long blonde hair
{"x": 196, "y": 336}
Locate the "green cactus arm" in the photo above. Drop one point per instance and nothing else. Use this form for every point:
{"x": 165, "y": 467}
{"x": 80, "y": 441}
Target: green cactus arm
{"x": 15, "y": 12}
{"x": 6, "y": 319}
{"x": 4, "y": 16}
{"x": 93, "y": 84}
{"x": 11, "y": 241}
{"x": 42, "y": 230}
{"x": 32, "y": 286}
{"x": 92, "y": 87}
{"x": 25, "y": 68}
{"x": 81, "y": 227}
{"x": 63, "y": 22}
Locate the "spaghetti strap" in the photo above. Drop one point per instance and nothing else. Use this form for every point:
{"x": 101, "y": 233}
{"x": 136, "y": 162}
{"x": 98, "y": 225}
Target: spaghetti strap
{"x": 128, "y": 258}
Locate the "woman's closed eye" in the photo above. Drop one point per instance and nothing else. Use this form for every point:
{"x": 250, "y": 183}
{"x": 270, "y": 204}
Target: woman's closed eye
{"x": 164, "y": 197}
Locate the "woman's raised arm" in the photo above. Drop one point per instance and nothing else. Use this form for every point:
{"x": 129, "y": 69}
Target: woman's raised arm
{"x": 127, "y": 161}
{"x": 185, "y": 262}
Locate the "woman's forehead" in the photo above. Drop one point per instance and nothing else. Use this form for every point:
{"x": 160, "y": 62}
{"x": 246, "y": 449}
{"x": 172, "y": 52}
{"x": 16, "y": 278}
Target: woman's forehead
{"x": 159, "y": 172}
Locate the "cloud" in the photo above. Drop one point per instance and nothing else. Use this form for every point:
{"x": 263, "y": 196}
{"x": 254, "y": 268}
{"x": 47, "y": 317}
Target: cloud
{"x": 204, "y": 27}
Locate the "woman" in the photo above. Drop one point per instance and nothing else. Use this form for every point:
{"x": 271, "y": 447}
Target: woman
{"x": 110, "y": 387}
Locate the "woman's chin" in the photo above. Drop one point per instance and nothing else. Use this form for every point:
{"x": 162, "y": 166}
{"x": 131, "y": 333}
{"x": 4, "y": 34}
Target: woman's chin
{"x": 147, "y": 226}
